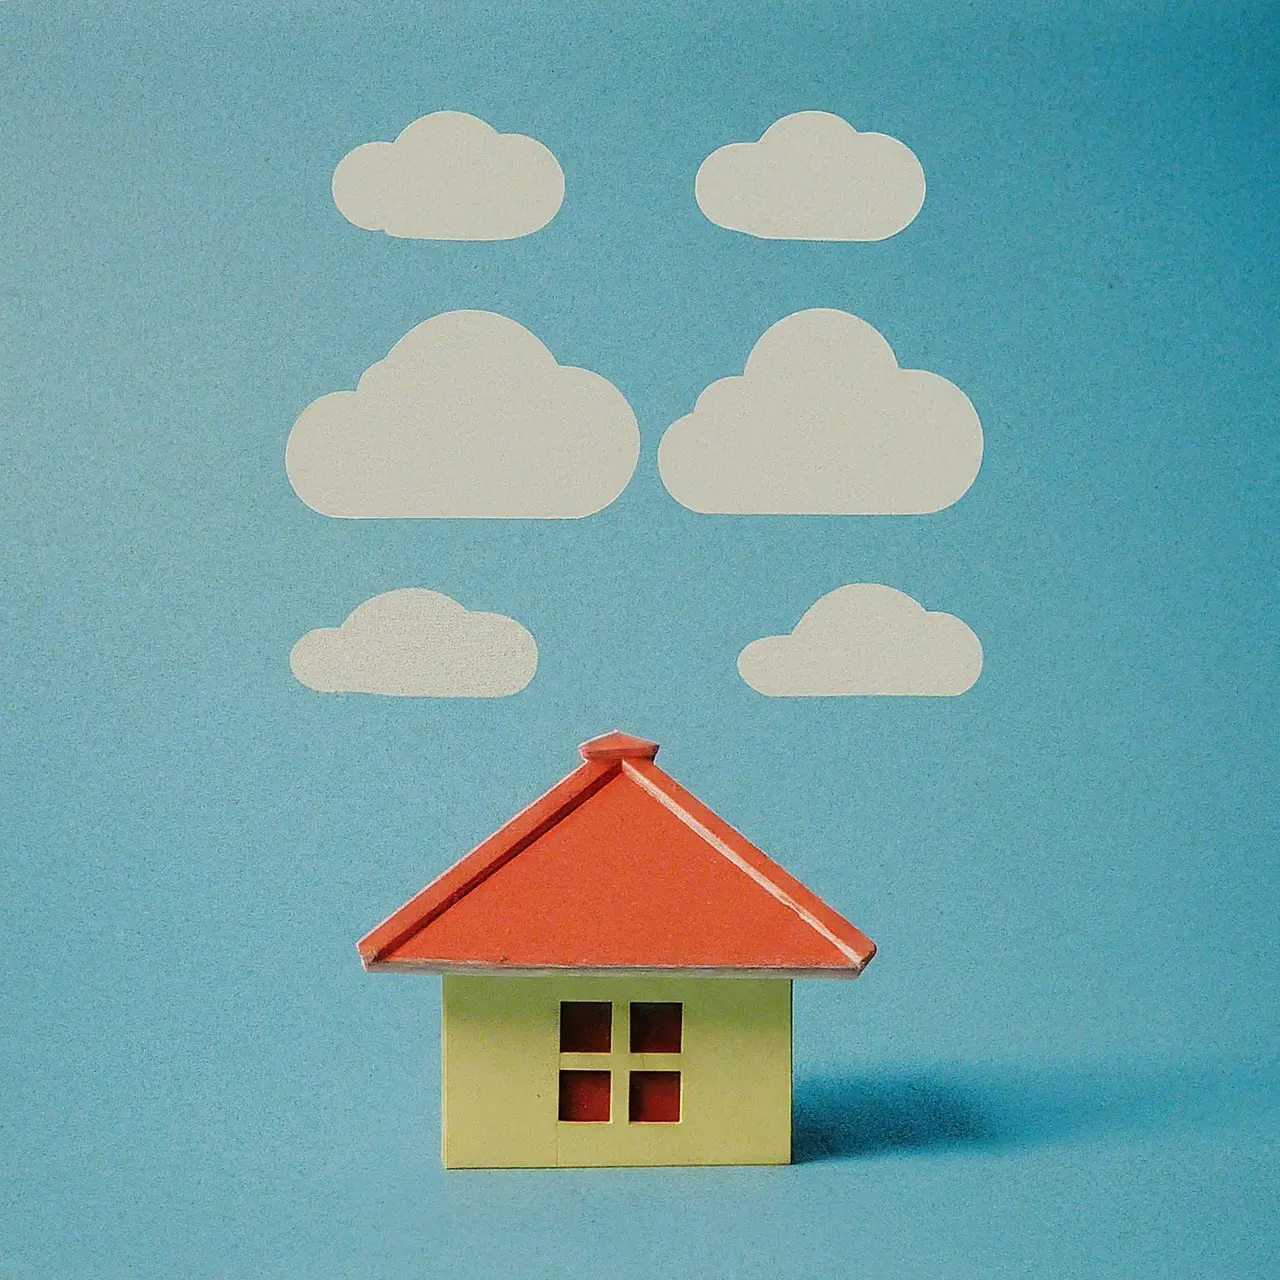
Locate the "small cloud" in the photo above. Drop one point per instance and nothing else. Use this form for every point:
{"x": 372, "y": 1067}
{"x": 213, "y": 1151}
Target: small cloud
{"x": 450, "y": 176}
{"x": 865, "y": 639}
{"x": 823, "y": 421}
{"x": 413, "y": 643}
{"x": 469, "y": 415}
{"x": 812, "y": 176}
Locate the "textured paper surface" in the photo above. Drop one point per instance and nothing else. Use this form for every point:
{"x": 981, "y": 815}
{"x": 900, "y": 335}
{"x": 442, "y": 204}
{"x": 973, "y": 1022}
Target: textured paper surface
{"x": 1062, "y": 1061}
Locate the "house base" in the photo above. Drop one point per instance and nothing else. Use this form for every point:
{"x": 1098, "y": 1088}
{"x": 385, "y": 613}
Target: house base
{"x": 677, "y": 1070}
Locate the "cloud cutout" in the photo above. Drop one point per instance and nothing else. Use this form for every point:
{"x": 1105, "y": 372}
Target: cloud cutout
{"x": 823, "y": 421}
{"x": 812, "y": 176}
{"x": 865, "y": 639}
{"x": 469, "y": 415}
{"x": 450, "y": 176}
{"x": 413, "y": 643}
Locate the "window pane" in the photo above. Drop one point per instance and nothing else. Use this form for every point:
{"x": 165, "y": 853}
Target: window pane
{"x": 585, "y": 1026}
{"x": 655, "y": 1096}
{"x": 584, "y": 1095}
{"x": 656, "y": 1028}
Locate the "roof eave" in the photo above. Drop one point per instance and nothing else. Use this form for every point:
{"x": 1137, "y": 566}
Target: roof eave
{"x": 467, "y": 969}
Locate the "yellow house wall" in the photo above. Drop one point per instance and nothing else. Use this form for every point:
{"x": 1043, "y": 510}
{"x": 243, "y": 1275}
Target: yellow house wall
{"x": 501, "y": 1064}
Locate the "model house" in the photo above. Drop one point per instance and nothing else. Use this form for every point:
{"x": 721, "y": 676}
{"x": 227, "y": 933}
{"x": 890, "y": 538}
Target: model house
{"x": 617, "y": 967}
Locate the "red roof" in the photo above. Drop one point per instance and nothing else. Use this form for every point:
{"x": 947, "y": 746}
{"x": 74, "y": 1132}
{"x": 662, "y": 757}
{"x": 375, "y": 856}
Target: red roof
{"x": 617, "y": 867}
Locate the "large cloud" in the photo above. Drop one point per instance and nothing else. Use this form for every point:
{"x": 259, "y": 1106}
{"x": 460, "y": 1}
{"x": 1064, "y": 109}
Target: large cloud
{"x": 865, "y": 639}
{"x": 823, "y": 421}
{"x": 468, "y": 415}
{"x": 417, "y": 644}
{"x": 450, "y": 176}
{"x": 812, "y": 176}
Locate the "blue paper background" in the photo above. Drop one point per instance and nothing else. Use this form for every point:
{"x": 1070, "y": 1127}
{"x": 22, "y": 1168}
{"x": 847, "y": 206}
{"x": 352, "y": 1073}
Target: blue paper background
{"x": 1064, "y": 1061}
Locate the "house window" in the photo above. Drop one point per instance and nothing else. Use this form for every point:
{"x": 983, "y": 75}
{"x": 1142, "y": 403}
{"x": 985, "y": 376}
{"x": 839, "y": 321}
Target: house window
{"x": 585, "y": 1026}
{"x": 656, "y": 1028}
{"x": 586, "y": 1083}
{"x": 655, "y": 1097}
{"x": 584, "y": 1095}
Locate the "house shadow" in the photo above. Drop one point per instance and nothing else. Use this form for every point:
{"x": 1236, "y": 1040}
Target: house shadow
{"x": 922, "y": 1109}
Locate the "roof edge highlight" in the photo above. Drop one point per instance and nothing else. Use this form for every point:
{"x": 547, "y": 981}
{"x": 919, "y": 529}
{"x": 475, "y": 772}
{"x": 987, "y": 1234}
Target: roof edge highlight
{"x": 734, "y": 846}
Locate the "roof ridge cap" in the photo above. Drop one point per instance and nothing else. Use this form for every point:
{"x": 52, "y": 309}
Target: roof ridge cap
{"x": 617, "y": 745}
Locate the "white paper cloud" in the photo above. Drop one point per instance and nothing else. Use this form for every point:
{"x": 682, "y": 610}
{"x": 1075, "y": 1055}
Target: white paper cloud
{"x": 450, "y": 176}
{"x": 823, "y": 421}
{"x": 414, "y": 643}
{"x": 469, "y": 415}
{"x": 812, "y": 176}
{"x": 865, "y": 639}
